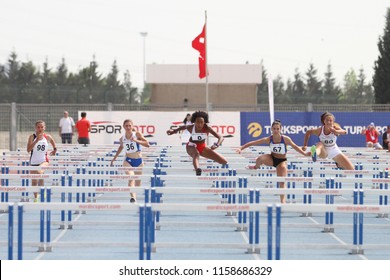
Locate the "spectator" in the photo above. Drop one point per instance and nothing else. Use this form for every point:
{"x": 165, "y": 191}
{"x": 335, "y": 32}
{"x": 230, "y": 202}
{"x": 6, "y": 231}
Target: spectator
{"x": 386, "y": 138}
{"x": 66, "y": 128}
{"x": 187, "y": 120}
{"x": 372, "y": 135}
{"x": 185, "y": 136}
{"x": 83, "y": 128}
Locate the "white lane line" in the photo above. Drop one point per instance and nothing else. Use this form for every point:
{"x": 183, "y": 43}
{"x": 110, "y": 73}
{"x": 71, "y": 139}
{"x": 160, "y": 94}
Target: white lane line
{"x": 63, "y": 232}
{"x": 335, "y": 237}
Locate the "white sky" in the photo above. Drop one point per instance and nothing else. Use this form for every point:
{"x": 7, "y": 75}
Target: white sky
{"x": 285, "y": 34}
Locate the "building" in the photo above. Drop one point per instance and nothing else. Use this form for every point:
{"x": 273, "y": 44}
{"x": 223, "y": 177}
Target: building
{"x": 227, "y": 85}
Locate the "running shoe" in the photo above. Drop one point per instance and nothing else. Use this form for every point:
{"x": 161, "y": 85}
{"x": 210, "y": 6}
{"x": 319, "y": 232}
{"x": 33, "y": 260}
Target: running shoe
{"x": 198, "y": 172}
{"x": 132, "y": 200}
{"x": 313, "y": 151}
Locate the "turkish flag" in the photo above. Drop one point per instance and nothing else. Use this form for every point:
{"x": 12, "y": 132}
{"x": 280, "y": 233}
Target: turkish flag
{"x": 199, "y": 44}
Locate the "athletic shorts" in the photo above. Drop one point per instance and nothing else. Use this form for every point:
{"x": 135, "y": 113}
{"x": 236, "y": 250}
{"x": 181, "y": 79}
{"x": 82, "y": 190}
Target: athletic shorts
{"x": 332, "y": 151}
{"x": 199, "y": 146}
{"x": 277, "y": 161}
{"x": 134, "y": 162}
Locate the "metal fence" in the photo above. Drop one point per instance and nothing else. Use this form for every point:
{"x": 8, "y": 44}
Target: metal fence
{"x": 27, "y": 114}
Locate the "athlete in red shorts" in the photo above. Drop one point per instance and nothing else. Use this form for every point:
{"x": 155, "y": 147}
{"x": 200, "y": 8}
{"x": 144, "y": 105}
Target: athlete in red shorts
{"x": 196, "y": 145}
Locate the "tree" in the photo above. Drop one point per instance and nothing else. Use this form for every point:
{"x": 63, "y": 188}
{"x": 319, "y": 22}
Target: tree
{"x": 381, "y": 78}
{"x": 13, "y": 68}
{"x": 133, "y": 96}
{"x": 3, "y": 76}
{"x": 262, "y": 89}
{"x": 364, "y": 90}
{"x": 330, "y": 91}
{"x": 62, "y": 73}
{"x": 350, "y": 89}
{"x": 298, "y": 89}
{"x": 280, "y": 95}
{"x": 313, "y": 85}
{"x": 23, "y": 82}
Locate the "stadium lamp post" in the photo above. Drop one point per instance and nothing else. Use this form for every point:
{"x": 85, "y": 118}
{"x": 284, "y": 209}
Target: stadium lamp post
{"x": 144, "y": 34}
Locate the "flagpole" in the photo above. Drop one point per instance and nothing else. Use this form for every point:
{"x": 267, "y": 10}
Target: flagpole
{"x": 207, "y": 76}
{"x": 271, "y": 98}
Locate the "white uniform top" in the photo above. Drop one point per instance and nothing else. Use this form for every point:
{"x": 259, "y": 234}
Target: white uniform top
{"x": 278, "y": 148}
{"x": 129, "y": 145}
{"x": 198, "y": 136}
{"x": 328, "y": 140}
{"x": 39, "y": 152}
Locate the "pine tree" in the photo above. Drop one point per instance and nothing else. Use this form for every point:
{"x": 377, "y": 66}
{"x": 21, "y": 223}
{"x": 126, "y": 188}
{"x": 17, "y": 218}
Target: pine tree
{"x": 298, "y": 89}
{"x": 381, "y": 79}
{"x": 313, "y": 85}
{"x": 330, "y": 90}
{"x": 262, "y": 89}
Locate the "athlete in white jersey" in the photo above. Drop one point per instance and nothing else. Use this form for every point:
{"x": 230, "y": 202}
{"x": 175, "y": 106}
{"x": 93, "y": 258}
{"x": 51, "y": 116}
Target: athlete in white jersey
{"x": 37, "y": 146}
{"x": 277, "y": 158}
{"x": 327, "y": 147}
{"x": 131, "y": 142}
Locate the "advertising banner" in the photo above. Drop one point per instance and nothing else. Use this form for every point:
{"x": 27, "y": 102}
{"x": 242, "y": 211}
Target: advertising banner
{"x": 107, "y": 126}
{"x": 256, "y": 125}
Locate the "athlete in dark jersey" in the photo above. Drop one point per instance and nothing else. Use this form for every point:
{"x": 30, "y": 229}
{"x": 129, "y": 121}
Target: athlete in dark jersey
{"x": 277, "y": 158}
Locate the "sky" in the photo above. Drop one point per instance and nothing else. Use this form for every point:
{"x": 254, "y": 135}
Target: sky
{"x": 284, "y": 34}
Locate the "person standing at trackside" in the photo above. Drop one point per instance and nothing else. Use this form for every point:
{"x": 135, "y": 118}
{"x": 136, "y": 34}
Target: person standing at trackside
{"x": 66, "y": 128}
{"x": 187, "y": 120}
{"x": 386, "y": 138}
{"x": 277, "y": 158}
{"x": 131, "y": 142}
{"x": 38, "y": 146}
{"x": 327, "y": 146}
{"x": 83, "y": 128}
{"x": 372, "y": 135}
{"x": 196, "y": 145}
{"x": 185, "y": 136}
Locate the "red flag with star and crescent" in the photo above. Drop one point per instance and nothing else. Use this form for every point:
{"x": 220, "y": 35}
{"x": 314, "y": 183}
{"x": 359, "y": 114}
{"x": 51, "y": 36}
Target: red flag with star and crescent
{"x": 199, "y": 44}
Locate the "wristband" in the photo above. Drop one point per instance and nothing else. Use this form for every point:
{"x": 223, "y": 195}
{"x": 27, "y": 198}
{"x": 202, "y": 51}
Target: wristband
{"x": 54, "y": 149}
{"x": 216, "y": 144}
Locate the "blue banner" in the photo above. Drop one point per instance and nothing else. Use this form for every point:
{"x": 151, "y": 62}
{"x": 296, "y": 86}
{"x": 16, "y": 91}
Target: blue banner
{"x": 256, "y": 125}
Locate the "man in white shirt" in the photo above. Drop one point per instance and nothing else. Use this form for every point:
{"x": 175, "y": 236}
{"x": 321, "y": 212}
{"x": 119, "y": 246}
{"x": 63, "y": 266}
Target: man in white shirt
{"x": 66, "y": 128}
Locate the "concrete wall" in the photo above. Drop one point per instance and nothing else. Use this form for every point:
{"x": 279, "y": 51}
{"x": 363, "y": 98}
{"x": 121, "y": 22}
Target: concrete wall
{"x": 228, "y": 94}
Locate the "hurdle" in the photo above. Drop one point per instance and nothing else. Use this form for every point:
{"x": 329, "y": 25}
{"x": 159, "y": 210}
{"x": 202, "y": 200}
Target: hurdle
{"x": 250, "y": 246}
{"x": 358, "y": 209}
{"x": 216, "y": 173}
{"x": 47, "y": 245}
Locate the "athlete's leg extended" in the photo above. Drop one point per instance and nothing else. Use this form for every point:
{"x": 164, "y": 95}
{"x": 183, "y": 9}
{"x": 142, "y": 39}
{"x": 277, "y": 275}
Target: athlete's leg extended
{"x": 343, "y": 162}
{"x": 281, "y": 171}
{"x": 264, "y": 159}
{"x": 319, "y": 150}
{"x": 213, "y": 155}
